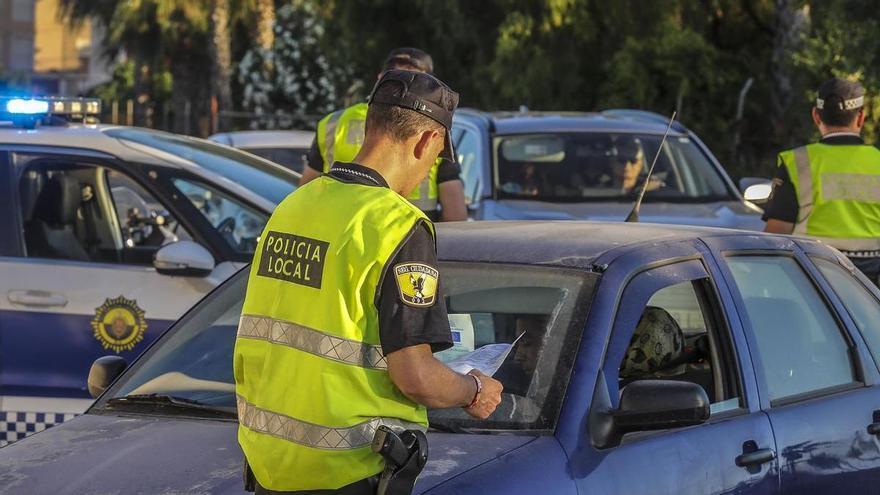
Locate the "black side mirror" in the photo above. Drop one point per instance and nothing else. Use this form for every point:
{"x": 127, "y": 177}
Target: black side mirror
{"x": 659, "y": 405}
{"x": 104, "y": 371}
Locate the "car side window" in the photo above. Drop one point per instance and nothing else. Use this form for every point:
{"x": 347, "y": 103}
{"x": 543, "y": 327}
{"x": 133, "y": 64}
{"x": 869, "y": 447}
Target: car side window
{"x": 237, "y": 224}
{"x": 679, "y": 338}
{"x": 800, "y": 345}
{"x": 86, "y": 212}
{"x": 467, "y": 151}
{"x": 862, "y": 306}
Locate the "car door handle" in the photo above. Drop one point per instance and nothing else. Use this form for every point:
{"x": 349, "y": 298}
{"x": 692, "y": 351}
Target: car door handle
{"x": 37, "y": 298}
{"x": 759, "y": 456}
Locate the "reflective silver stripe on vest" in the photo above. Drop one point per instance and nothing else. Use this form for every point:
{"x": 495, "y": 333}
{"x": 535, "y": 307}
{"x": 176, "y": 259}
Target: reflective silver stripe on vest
{"x": 805, "y": 189}
{"x": 852, "y": 247}
{"x": 425, "y": 202}
{"x": 330, "y": 138}
{"x": 851, "y": 187}
{"x": 312, "y": 341}
{"x": 310, "y": 434}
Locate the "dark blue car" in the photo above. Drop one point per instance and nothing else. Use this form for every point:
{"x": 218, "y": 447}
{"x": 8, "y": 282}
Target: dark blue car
{"x": 651, "y": 359}
{"x": 588, "y": 166}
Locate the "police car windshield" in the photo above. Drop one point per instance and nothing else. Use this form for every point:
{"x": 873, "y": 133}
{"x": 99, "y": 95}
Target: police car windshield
{"x": 591, "y": 166}
{"x": 542, "y": 309}
{"x": 267, "y": 180}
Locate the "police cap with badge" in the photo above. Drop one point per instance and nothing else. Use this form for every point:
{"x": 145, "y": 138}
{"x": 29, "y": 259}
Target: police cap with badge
{"x": 837, "y": 96}
{"x": 422, "y": 93}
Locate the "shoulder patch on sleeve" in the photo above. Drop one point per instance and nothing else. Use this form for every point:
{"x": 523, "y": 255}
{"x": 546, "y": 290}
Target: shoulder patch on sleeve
{"x": 417, "y": 283}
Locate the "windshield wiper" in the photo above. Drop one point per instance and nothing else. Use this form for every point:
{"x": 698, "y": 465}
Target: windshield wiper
{"x": 169, "y": 403}
{"x": 446, "y": 428}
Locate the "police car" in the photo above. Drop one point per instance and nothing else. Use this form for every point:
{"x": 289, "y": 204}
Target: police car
{"x": 109, "y": 234}
{"x": 568, "y": 166}
{"x": 648, "y": 359}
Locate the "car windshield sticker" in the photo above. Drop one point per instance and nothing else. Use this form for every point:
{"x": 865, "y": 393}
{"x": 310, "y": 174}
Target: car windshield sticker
{"x": 119, "y": 324}
{"x": 417, "y": 283}
{"x": 292, "y": 258}
{"x": 462, "y": 327}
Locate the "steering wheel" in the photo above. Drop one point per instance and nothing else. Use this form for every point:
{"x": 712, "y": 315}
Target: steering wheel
{"x": 226, "y": 226}
{"x": 226, "y": 229}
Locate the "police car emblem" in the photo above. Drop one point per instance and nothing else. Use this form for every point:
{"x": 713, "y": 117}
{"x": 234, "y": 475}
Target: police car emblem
{"x": 119, "y": 324}
{"x": 417, "y": 283}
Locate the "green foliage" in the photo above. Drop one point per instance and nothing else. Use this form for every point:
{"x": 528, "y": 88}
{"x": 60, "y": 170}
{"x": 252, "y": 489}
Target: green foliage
{"x": 695, "y": 56}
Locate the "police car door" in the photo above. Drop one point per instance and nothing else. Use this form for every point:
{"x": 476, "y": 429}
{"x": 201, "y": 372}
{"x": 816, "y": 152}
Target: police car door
{"x": 83, "y": 284}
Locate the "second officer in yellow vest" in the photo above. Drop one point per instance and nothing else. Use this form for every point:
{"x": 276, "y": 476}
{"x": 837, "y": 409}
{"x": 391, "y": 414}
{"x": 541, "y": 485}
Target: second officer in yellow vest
{"x": 339, "y": 137}
{"x": 830, "y": 190}
{"x": 344, "y": 308}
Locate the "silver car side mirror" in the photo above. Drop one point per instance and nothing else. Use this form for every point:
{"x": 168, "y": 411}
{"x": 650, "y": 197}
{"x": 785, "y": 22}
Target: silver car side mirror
{"x": 758, "y": 193}
{"x": 183, "y": 259}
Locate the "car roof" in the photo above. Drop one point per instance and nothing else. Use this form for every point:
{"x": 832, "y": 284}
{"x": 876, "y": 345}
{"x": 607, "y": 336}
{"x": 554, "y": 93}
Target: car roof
{"x": 566, "y": 243}
{"x": 613, "y": 121}
{"x": 266, "y": 139}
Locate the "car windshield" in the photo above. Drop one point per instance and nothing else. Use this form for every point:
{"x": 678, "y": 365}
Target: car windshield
{"x": 604, "y": 167}
{"x": 265, "y": 179}
{"x": 543, "y": 310}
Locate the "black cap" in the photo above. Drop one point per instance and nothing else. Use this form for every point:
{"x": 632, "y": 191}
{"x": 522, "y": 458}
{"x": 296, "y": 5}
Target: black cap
{"x": 840, "y": 94}
{"x": 422, "y": 93}
{"x": 409, "y": 57}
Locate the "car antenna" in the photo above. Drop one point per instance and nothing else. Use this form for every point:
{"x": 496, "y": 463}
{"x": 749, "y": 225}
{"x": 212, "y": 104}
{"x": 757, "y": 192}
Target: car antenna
{"x": 634, "y": 214}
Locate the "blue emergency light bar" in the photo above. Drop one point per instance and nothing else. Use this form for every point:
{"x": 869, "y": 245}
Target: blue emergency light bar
{"x": 29, "y": 111}
{"x": 19, "y": 106}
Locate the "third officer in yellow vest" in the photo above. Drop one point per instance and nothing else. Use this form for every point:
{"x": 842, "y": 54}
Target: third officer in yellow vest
{"x": 340, "y": 135}
{"x": 830, "y": 190}
{"x": 344, "y": 309}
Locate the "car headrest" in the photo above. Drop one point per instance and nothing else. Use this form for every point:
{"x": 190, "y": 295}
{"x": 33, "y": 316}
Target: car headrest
{"x": 657, "y": 343}
{"x": 58, "y": 200}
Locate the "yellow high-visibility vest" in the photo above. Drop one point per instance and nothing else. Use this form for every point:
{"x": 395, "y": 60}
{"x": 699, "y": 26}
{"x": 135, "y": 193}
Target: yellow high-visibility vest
{"x": 311, "y": 380}
{"x": 340, "y": 136}
{"x": 838, "y": 191}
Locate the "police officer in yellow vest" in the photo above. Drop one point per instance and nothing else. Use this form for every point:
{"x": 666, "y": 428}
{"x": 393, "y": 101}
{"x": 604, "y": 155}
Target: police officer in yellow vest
{"x": 340, "y": 134}
{"x": 344, "y": 308}
{"x": 830, "y": 190}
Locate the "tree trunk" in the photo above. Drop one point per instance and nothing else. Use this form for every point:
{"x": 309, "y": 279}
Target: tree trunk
{"x": 221, "y": 55}
{"x": 265, "y": 24}
{"x": 792, "y": 24}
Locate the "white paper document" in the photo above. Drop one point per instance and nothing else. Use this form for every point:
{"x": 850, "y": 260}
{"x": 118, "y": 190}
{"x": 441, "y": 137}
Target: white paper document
{"x": 487, "y": 359}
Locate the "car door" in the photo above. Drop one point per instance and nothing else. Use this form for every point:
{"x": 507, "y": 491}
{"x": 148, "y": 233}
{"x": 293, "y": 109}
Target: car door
{"x": 817, "y": 381}
{"x": 731, "y": 452}
{"x": 83, "y": 284}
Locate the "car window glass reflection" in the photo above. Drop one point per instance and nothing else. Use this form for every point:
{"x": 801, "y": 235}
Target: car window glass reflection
{"x": 861, "y": 304}
{"x": 237, "y": 224}
{"x": 799, "y": 344}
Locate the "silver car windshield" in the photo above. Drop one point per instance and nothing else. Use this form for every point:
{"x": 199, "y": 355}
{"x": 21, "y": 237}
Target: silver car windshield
{"x": 542, "y": 309}
{"x": 595, "y": 166}
{"x": 267, "y": 180}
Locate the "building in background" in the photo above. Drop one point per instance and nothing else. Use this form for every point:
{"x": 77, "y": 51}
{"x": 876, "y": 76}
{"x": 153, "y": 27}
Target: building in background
{"x": 39, "y": 53}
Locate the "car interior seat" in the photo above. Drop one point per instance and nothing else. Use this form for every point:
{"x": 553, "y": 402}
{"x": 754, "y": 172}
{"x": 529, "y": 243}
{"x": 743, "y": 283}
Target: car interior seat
{"x": 50, "y": 231}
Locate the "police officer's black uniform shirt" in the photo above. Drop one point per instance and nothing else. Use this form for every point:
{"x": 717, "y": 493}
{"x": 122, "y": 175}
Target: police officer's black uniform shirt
{"x": 447, "y": 171}
{"x": 401, "y": 324}
{"x": 783, "y": 203}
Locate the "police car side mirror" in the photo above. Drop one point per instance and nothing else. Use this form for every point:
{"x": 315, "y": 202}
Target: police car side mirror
{"x": 184, "y": 259}
{"x": 659, "y": 405}
{"x": 755, "y": 189}
{"x": 103, "y": 372}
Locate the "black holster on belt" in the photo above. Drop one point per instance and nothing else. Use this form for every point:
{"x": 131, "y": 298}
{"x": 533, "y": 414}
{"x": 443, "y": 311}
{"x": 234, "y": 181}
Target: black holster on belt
{"x": 405, "y": 456}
